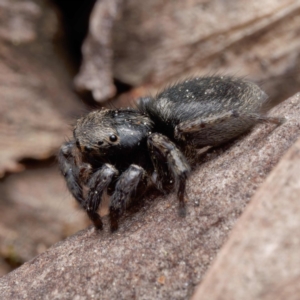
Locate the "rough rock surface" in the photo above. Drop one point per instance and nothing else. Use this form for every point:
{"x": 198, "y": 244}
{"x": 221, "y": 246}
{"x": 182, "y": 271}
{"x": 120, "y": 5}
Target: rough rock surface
{"x": 36, "y": 211}
{"x": 156, "y": 254}
{"x": 262, "y": 254}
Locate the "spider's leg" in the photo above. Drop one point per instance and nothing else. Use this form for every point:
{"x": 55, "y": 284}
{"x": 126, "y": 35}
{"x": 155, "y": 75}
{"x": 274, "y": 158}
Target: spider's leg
{"x": 68, "y": 163}
{"x": 169, "y": 160}
{"x": 130, "y": 183}
{"x": 213, "y": 131}
{"x": 97, "y": 184}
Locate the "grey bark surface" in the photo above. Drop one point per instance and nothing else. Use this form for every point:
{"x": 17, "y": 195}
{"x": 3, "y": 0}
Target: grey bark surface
{"x": 36, "y": 102}
{"x": 96, "y": 74}
{"x": 156, "y": 254}
{"x": 37, "y": 108}
{"x": 157, "y": 42}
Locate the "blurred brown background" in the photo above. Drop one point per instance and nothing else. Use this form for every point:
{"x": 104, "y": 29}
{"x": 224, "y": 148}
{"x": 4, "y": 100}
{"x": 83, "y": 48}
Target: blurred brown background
{"x": 58, "y": 59}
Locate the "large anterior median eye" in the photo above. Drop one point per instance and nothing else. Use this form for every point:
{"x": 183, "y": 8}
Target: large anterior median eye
{"x": 113, "y": 138}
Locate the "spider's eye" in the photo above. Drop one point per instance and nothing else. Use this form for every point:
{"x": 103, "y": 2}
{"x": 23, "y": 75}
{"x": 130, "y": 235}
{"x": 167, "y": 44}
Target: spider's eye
{"x": 77, "y": 144}
{"x": 100, "y": 143}
{"x": 113, "y": 138}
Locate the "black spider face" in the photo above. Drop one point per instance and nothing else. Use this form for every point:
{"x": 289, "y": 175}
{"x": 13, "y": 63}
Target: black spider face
{"x": 95, "y": 139}
{"x": 109, "y": 132}
{"x": 94, "y": 134}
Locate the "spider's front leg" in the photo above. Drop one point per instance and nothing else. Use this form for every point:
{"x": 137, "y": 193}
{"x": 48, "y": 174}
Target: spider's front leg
{"x": 69, "y": 160}
{"x": 170, "y": 164}
{"x": 131, "y": 183}
{"x": 98, "y": 183}
{"x": 77, "y": 174}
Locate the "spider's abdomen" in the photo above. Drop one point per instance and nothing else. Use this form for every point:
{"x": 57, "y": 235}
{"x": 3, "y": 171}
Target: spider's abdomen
{"x": 203, "y": 98}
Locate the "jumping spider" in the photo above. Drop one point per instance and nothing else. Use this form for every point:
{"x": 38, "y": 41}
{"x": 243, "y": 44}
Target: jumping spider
{"x": 122, "y": 151}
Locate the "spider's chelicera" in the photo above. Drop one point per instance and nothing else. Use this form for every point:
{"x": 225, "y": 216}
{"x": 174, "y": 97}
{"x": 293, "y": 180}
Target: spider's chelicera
{"x": 122, "y": 151}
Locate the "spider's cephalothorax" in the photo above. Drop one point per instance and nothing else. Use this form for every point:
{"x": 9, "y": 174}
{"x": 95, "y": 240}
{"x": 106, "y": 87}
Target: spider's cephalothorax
{"x": 122, "y": 151}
